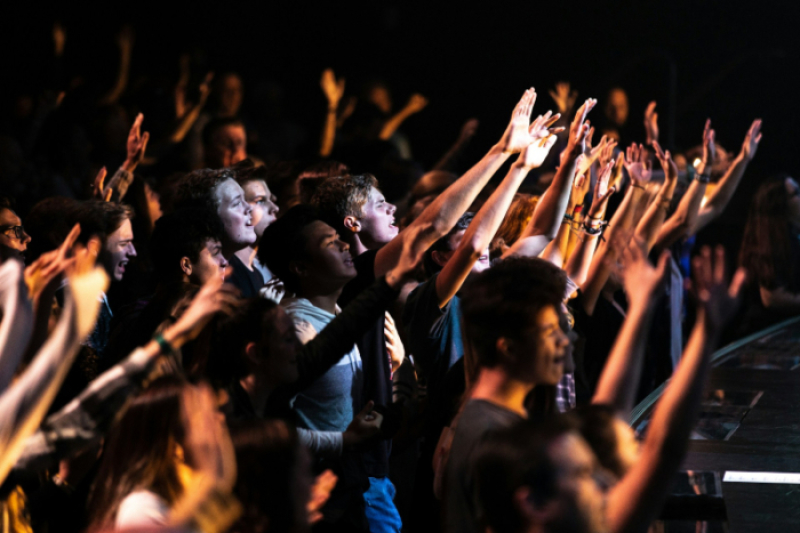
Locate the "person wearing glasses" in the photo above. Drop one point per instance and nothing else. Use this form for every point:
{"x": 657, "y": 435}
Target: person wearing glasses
{"x": 13, "y": 239}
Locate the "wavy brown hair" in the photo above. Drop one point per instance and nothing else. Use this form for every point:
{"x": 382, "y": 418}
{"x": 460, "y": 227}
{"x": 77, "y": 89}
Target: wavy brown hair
{"x": 140, "y": 452}
{"x": 765, "y": 252}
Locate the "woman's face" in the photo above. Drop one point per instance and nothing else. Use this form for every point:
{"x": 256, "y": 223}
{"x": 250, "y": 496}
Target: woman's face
{"x": 793, "y": 201}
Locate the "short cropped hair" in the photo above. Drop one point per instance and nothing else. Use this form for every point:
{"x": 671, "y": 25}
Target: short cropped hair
{"x": 503, "y": 300}
{"x": 510, "y": 459}
{"x": 443, "y": 244}
{"x": 99, "y": 218}
{"x": 183, "y": 233}
{"x": 196, "y": 189}
{"x": 343, "y": 196}
{"x": 284, "y": 241}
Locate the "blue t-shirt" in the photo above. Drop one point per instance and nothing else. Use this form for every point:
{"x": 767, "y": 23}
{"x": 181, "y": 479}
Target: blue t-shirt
{"x": 434, "y": 333}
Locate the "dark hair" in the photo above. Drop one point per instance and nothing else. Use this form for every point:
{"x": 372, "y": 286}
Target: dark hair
{"x": 765, "y": 251}
{"x": 443, "y": 244}
{"x": 99, "y": 218}
{"x": 6, "y": 202}
{"x": 138, "y": 453}
{"x": 503, "y": 300}
{"x": 312, "y": 177}
{"x": 196, "y": 189}
{"x": 512, "y": 458}
{"x": 339, "y": 197}
{"x": 183, "y": 233}
{"x": 216, "y": 124}
{"x": 268, "y": 460}
{"x": 246, "y": 171}
{"x": 595, "y": 423}
{"x": 252, "y": 321}
{"x": 284, "y": 241}
{"x": 48, "y": 225}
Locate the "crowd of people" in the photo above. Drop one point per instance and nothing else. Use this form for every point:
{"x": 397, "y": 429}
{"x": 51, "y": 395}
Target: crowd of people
{"x": 220, "y": 335}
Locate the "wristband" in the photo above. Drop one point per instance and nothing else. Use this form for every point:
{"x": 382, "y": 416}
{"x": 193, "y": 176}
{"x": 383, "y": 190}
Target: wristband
{"x": 164, "y": 345}
{"x": 702, "y": 178}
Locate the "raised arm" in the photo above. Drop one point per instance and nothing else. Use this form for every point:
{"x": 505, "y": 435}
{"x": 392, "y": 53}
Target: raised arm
{"x": 86, "y": 419}
{"x": 619, "y": 380}
{"x": 442, "y": 214}
{"x": 449, "y": 160}
{"x": 334, "y": 90}
{"x": 549, "y": 213}
{"x": 415, "y": 104}
{"x": 24, "y": 404}
{"x": 681, "y": 222}
{"x": 718, "y": 200}
{"x": 125, "y": 42}
{"x": 17, "y": 320}
{"x": 580, "y": 259}
{"x": 653, "y": 219}
{"x": 635, "y": 501}
{"x": 481, "y": 230}
{"x": 136, "y": 146}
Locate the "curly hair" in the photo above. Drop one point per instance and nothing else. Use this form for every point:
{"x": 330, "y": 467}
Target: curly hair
{"x": 183, "y": 233}
{"x": 196, "y": 189}
{"x": 515, "y": 221}
{"x": 340, "y": 197}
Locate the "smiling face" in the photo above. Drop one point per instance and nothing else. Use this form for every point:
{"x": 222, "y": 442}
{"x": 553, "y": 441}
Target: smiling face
{"x": 541, "y": 349}
{"x": 262, "y": 201}
{"x": 377, "y": 225}
{"x": 328, "y": 261}
{"x": 119, "y": 250}
{"x": 236, "y": 216}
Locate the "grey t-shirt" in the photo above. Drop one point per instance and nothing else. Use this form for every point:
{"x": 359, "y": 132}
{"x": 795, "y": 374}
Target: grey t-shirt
{"x": 478, "y": 419}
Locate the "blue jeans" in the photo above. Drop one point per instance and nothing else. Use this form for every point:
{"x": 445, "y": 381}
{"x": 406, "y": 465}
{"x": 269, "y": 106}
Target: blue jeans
{"x": 381, "y": 513}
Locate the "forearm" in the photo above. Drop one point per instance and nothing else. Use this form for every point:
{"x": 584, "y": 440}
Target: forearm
{"x": 580, "y": 260}
{"x": 450, "y": 158}
{"x": 442, "y": 214}
{"x": 550, "y": 210}
{"x": 677, "y": 227}
{"x": 392, "y": 124}
{"x": 120, "y": 181}
{"x": 479, "y": 235}
{"x": 719, "y": 199}
{"x": 779, "y": 299}
{"x": 636, "y": 500}
{"x": 122, "y": 79}
{"x": 16, "y": 325}
{"x": 648, "y": 228}
{"x": 619, "y": 380}
{"x": 328, "y": 133}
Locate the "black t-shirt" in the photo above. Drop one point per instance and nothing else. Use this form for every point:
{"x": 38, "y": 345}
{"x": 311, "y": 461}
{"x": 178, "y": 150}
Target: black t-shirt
{"x": 249, "y": 282}
{"x": 376, "y": 367}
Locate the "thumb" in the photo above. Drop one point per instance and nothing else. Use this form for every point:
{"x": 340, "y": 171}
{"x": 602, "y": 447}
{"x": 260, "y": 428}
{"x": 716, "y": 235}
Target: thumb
{"x": 367, "y": 409}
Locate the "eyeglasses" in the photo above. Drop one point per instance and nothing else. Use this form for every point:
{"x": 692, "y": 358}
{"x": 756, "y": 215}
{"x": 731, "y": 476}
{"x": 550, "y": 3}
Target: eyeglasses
{"x": 19, "y": 231}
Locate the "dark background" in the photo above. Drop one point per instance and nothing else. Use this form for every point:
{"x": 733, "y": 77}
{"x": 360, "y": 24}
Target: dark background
{"x": 731, "y": 61}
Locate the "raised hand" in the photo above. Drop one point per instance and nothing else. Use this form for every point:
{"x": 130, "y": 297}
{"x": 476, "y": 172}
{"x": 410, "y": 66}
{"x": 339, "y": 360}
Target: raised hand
{"x": 543, "y": 137}
{"x": 751, "y": 140}
{"x": 214, "y": 297}
{"x": 416, "y": 103}
{"x": 273, "y": 290}
{"x": 563, "y": 97}
{"x": 637, "y": 165}
{"x": 607, "y": 153}
{"x": 333, "y": 88}
{"x": 602, "y": 192}
{"x": 641, "y": 281}
{"x": 576, "y": 144}
{"x": 709, "y": 148}
{"x": 717, "y": 301}
{"x": 665, "y": 158}
{"x": 319, "y": 495}
{"x": 517, "y": 136}
{"x": 593, "y": 154}
{"x": 394, "y": 345}
{"x": 137, "y": 144}
{"x": 98, "y": 186}
{"x": 47, "y": 271}
{"x": 468, "y": 130}
{"x": 651, "y": 123}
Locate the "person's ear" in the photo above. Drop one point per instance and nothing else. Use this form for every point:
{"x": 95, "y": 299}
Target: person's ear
{"x": 186, "y": 266}
{"x": 506, "y": 350}
{"x": 298, "y": 268}
{"x": 532, "y": 513}
{"x": 352, "y": 224}
{"x": 439, "y": 258}
{"x": 251, "y": 353}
